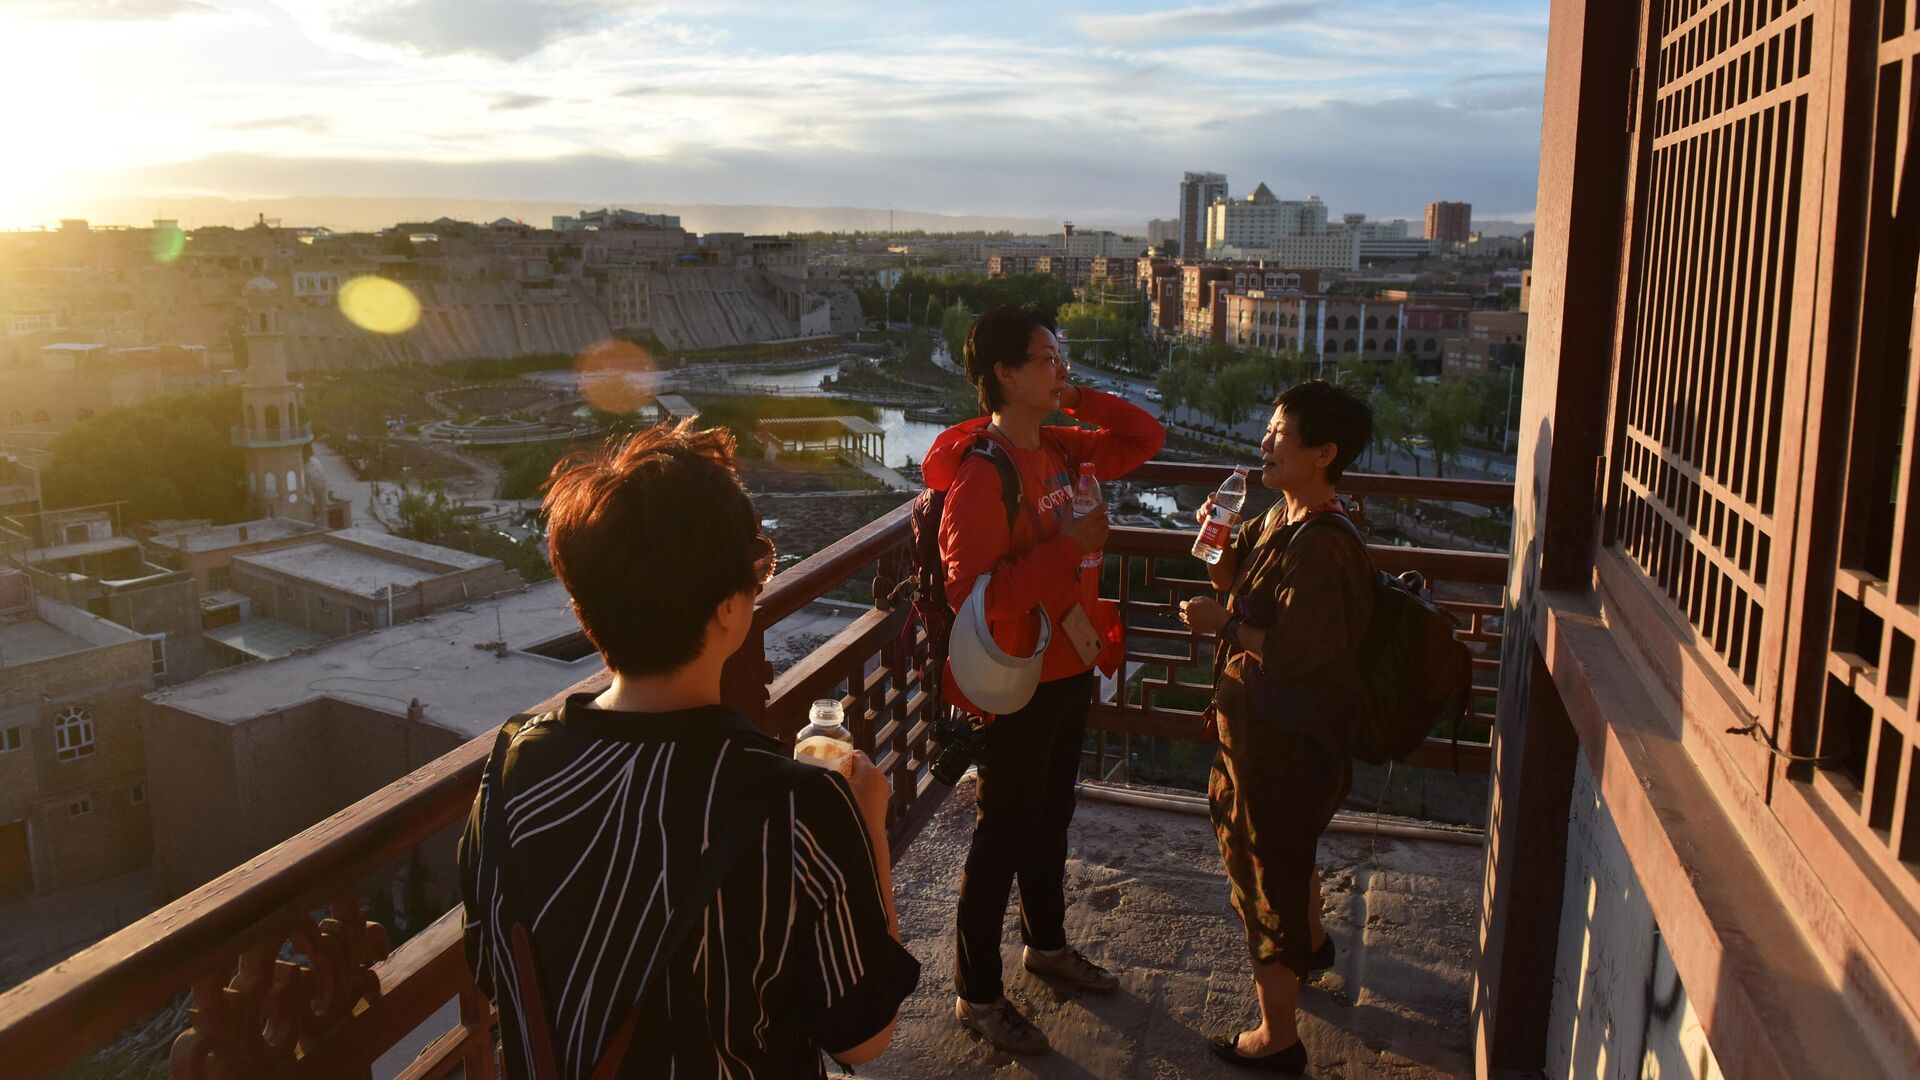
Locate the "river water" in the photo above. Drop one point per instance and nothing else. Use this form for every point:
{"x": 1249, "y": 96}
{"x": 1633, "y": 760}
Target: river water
{"x": 907, "y": 440}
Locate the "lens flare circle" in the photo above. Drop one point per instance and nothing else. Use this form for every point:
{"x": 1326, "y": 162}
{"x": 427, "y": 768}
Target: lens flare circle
{"x": 169, "y": 241}
{"x": 614, "y": 376}
{"x": 380, "y": 305}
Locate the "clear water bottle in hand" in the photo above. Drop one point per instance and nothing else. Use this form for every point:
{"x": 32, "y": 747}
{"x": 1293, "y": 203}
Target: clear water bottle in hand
{"x": 1087, "y": 498}
{"x": 825, "y": 741}
{"x": 1217, "y": 533}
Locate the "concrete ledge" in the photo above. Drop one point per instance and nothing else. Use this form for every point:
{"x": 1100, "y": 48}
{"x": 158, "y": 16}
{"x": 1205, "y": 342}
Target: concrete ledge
{"x": 1767, "y": 1006}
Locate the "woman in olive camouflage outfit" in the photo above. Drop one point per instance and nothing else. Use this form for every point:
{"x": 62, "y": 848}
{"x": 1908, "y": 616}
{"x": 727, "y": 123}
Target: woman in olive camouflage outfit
{"x": 1292, "y": 624}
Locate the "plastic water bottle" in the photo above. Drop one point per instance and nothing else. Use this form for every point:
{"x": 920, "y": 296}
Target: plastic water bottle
{"x": 825, "y": 741}
{"x": 1086, "y": 499}
{"x": 1217, "y": 533}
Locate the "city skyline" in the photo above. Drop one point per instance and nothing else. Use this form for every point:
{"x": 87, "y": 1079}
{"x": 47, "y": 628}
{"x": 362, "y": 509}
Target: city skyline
{"x": 1084, "y": 112}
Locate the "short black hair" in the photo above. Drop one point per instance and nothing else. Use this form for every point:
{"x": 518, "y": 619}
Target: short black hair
{"x": 1328, "y": 414}
{"x": 649, "y": 536}
{"x": 1000, "y": 336}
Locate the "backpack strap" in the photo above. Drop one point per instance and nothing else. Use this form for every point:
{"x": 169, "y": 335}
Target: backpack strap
{"x": 1267, "y": 523}
{"x": 1349, "y": 527}
{"x": 988, "y": 447}
{"x": 715, "y": 864}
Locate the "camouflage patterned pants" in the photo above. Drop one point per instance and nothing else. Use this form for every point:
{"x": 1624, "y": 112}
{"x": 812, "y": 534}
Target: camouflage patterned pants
{"x": 1272, "y": 796}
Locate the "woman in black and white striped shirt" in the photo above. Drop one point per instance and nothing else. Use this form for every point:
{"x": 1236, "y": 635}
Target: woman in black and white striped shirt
{"x": 613, "y": 806}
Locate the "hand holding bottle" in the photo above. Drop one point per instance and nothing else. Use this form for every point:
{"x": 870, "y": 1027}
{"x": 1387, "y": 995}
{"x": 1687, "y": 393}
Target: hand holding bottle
{"x": 1219, "y": 517}
{"x": 1089, "y": 531}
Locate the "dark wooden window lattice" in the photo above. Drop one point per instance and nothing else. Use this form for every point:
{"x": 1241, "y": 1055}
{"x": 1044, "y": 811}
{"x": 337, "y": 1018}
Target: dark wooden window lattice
{"x": 1707, "y": 369}
{"x": 1869, "y": 737}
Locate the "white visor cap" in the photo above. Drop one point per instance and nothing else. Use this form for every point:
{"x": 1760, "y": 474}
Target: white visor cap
{"x": 991, "y": 678}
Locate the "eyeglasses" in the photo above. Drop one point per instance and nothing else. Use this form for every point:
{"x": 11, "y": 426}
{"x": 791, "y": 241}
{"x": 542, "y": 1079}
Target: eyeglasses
{"x": 765, "y": 566}
{"x": 1056, "y": 359}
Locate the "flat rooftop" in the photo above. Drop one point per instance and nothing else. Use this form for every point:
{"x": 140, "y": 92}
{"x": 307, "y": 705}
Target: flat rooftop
{"x": 437, "y": 659}
{"x": 265, "y": 639}
{"x": 440, "y": 659}
{"x": 360, "y": 566}
{"x": 857, "y": 425}
{"x": 45, "y": 629}
{"x": 32, "y": 641}
{"x": 216, "y": 537}
{"x": 81, "y": 548}
{"x": 400, "y": 545}
{"x": 1147, "y": 898}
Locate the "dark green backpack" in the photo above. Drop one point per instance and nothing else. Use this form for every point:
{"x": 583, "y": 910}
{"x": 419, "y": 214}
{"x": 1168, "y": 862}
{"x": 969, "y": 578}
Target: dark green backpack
{"x": 1414, "y": 674}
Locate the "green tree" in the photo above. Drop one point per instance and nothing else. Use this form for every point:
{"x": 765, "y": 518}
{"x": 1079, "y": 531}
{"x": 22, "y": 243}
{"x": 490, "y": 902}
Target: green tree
{"x": 1108, "y": 331}
{"x": 169, "y": 457}
{"x": 426, "y": 513}
{"x": 1180, "y": 385}
{"x": 954, "y": 326}
{"x": 1392, "y": 399}
{"x": 1444, "y": 411}
{"x": 1232, "y": 393}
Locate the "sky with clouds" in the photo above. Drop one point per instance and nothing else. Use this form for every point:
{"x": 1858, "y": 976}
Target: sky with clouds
{"x": 1068, "y": 109}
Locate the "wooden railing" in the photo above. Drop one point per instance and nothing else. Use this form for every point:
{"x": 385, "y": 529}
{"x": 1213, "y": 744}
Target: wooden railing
{"x": 1166, "y": 661}
{"x": 288, "y": 977}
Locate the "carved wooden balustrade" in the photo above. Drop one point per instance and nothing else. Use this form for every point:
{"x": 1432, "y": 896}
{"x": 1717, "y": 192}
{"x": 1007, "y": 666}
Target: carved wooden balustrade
{"x": 1166, "y": 663}
{"x": 288, "y": 977}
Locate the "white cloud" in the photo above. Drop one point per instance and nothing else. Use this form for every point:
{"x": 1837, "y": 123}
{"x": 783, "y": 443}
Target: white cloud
{"x": 935, "y": 109}
{"x": 496, "y": 29}
{"x": 517, "y": 102}
{"x": 1205, "y": 20}
{"x": 305, "y": 123}
{"x": 109, "y": 10}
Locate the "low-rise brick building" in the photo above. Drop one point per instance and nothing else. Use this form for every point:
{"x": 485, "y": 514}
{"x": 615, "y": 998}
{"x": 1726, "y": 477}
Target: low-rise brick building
{"x": 348, "y": 582}
{"x": 73, "y": 800}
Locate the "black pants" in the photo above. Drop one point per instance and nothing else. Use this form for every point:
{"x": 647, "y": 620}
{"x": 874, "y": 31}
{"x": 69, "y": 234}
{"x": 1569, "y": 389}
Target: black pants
{"x": 1023, "y": 804}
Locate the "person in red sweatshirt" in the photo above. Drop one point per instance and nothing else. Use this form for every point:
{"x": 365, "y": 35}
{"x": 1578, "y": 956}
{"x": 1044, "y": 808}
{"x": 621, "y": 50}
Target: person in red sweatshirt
{"x": 1031, "y": 761}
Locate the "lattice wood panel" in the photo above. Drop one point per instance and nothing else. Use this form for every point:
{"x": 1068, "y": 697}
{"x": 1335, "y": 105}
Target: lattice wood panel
{"x": 876, "y": 668}
{"x": 1706, "y": 368}
{"x": 1169, "y": 669}
{"x": 1869, "y": 737}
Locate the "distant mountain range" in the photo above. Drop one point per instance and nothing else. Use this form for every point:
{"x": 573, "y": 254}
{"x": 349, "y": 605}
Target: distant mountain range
{"x": 365, "y": 214}
{"x": 1502, "y": 228}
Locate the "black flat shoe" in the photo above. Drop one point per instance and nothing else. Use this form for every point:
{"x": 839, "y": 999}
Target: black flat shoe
{"x": 1290, "y": 1062}
{"x": 1322, "y": 957}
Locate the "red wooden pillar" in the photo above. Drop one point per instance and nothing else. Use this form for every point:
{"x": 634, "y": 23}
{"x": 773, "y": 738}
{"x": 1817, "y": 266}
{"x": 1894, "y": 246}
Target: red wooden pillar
{"x": 1578, "y": 264}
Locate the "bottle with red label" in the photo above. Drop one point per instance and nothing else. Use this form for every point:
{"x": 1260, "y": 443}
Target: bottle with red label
{"x": 1086, "y": 499}
{"x": 1217, "y": 533}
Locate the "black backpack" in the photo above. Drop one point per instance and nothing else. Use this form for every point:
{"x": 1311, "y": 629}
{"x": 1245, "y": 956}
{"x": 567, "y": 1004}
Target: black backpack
{"x": 1414, "y": 673}
{"x": 923, "y": 585}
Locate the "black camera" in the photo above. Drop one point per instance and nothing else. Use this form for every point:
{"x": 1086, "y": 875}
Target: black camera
{"x": 961, "y": 741}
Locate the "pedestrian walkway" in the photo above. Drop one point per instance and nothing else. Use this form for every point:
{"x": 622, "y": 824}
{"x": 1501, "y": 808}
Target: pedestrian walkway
{"x": 368, "y": 513}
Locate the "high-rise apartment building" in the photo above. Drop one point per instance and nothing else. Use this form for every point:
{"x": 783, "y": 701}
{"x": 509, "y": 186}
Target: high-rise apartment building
{"x": 1198, "y": 192}
{"x": 1449, "y": 222}
{"x": 1255, "y": 222}
{"x": 1162, "y": 233}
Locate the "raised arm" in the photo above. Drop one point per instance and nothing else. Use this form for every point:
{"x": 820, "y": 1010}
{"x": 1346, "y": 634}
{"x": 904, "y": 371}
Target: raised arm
{"x": 1126, "y": 435}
